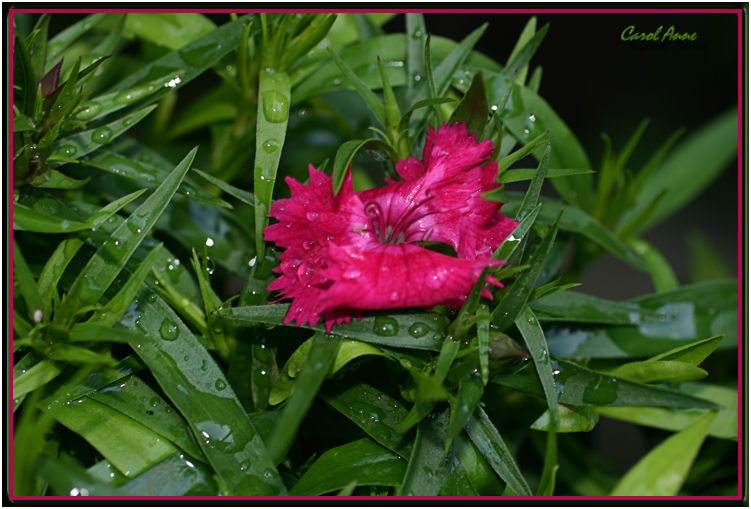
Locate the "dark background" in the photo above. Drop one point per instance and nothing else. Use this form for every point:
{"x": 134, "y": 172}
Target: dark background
{"x": 598, "y": 83}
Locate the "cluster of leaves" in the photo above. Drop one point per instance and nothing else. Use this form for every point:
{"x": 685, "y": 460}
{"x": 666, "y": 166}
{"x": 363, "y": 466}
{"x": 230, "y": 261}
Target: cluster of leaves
{"x": 135, "y": 375}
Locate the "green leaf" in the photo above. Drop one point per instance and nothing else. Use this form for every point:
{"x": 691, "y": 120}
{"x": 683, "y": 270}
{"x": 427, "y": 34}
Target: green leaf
{"x": 271, "y": 128}
{"x": 575, "y": 220}
{"x": 534, "y": 338}
{"x": 658, "y": 371}
{"x": 694, "y": 312}
{"x": 53, "y": 179}
{"x": 102, "y": 215}
{"x": 22, "y": 123}
{"x": 428, "y": 466}
{"x": 473, "y": 108}
{"x": 664, "y": 469}
{"x": 128, "y": 445}
{"x": 132, "y": 397}
{"x": 692, "y": 166}
{"x": 693, "y": 353}
{"x": 416, "y": 38}
{"x": 34, "y": 377}
{"x": 27, "y": 286}
{"x": 512, "y": 245}
{"x": 308, "y": 38}
{"x": 80, "y": 144}
{"x": 320, "y": 358}
{"x": 103, "y": 267}
{"x": 422, "y": 331}
{"x": 58, "y": 44}
{"x": 147, "y": 174}
{"x": 522, "y": 174}
{"x": 659, "y": 268}
{"x": 175, "y": 476}
{"x": 576, "y": 385}
{"x": 567, "y": 306}
{"x": 468, "y": 396}
{"x": 170, "y": 30}
{"x": 706, "y": 258}
{"x": 725, "y": 425}
{"x": 375, "y": 412}
{"x": 572, "y": 419}
{"x": 196, "y": 386}
{"x": 488, "y": 441}
{"x": 67, "y": 478}
{"x": 531, "y": 116}
{"x": 527, "y": 33}
{"x": 533, "y": 192}
{"x": 520, "y": 57}
{"x": 243, "y": 196}
{"x": 343, "y": 159}
{"x": 362, "y": 461}
{"x": 28, "y": 219}
{"x": 512, "y": 303}
{"x": 368, "y": 96}
{"x": 120, "y": 302}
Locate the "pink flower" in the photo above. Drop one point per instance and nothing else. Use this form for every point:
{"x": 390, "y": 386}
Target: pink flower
{"x": 358, "y": 251}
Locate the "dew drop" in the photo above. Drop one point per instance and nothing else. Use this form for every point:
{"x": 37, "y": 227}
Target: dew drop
{"x": 275, "y": 106}
{"x": 209, "y": 242}
{"x": 394, "y": 296}
{"x": 169, "y": 330}
{"x": 101, "y": 135}
{"x": 88, "y": 110}
{"x": 270, "y": 146}
{"x": 220, "y": 385}
{"x": 311, "y": 216}
{"x": 307, "y": 245}
{"x": 385, "y": 326}
{"x": 68, "y": 150}
{"x": 351, "y": 274}
{"x": 154, "y": 402}
{"x": 418, "y": 329}
{"x": 435, "y": 279}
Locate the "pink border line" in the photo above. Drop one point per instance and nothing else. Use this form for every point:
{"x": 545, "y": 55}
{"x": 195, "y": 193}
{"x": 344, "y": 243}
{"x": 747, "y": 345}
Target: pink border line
{"x": 740, "y": 260}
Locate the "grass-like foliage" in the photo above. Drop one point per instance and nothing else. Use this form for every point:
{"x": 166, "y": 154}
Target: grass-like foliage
{"x": 150, "y": 359}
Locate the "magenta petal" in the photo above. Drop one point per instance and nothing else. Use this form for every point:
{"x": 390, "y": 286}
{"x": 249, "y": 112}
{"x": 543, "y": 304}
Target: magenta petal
{"x": 397, "y": 276}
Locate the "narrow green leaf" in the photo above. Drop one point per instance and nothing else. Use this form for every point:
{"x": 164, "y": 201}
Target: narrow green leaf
{"x": 175, "y": 476}
{"x": 362, "y": 461}
{"x": 308, "y": 38}
{"x": 473, "y": 108}
{"x": 428, "y": 465}
{"x": 576, "y": 220}
{"x": 271, "y": 128}
{"x": 725, "y": 425}
{"x": 196, "y": 386}
{"x": 58, "y": 44}
{"x": 527, "y": 33}
{"x": 695, "y": 163}
{"x": 522, "y": 174}
{"x": 468, "y": 396}
{"x": 170, "y": 30}
{"x": 53, "y": 179}
{"x": 22, "y": 123}
{"x": 483, "y": 342}
{"x": 693, "y": 312}
{"x": 120, "y": 302}
{"x": 243, "y": 196}
{"x": 577, "y": 385}
{"x": 24, "y": 74}
{"x": 27, "y": 286}
{"x": 34, "y": 377}
{"x": 343, "y": 159}
{"x": 422, "y": 331}
{"x": 132, "y": 397}
{"x": 488, "y": 441}
{"x": 371, "y": 100}
{"x": 78, "y": 145}
{"x": 572, "y": 419}
{"x": 317, "y": 364}
{"x": 519, "y": 60}
{"x": 67, "y": 478}
{"x": 390, "y": 105}
{"x": 512, "y": 245}
{"x": 128, "y": 445}
{"x": 534, "y": 338}
{"x": 694, "y": 353}
{"x": 532, "y": 195}
{"x": 99, "y": 217}
{"x": 375, "y": 412}
{"x": 664, "y": 469}
{"x": 103, "y": 267}
{"x": 416, "y": 36}
{"x": 506, "y": 312}
{"x": 28, "y": 219}
{"x": 659, "y": 268}
{"x": 665, "y": 371}
{"x": 567, "y": 306}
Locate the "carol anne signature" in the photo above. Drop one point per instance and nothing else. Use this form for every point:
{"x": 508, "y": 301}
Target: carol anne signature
{"x": 671, "y": 34}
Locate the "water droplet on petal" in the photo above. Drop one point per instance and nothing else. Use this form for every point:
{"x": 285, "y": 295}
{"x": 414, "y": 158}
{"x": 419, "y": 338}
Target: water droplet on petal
{"x": 351, "y": 274}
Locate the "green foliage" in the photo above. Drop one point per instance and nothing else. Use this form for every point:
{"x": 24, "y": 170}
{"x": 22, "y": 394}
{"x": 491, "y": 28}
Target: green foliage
{"x": 136, "y": 374}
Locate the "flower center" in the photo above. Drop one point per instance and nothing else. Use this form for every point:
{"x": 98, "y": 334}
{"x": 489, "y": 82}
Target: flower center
{"x": 394, "y": 230}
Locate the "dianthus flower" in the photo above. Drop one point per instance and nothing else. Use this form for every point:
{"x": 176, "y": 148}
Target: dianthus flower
{"x": 361, "y": 250}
